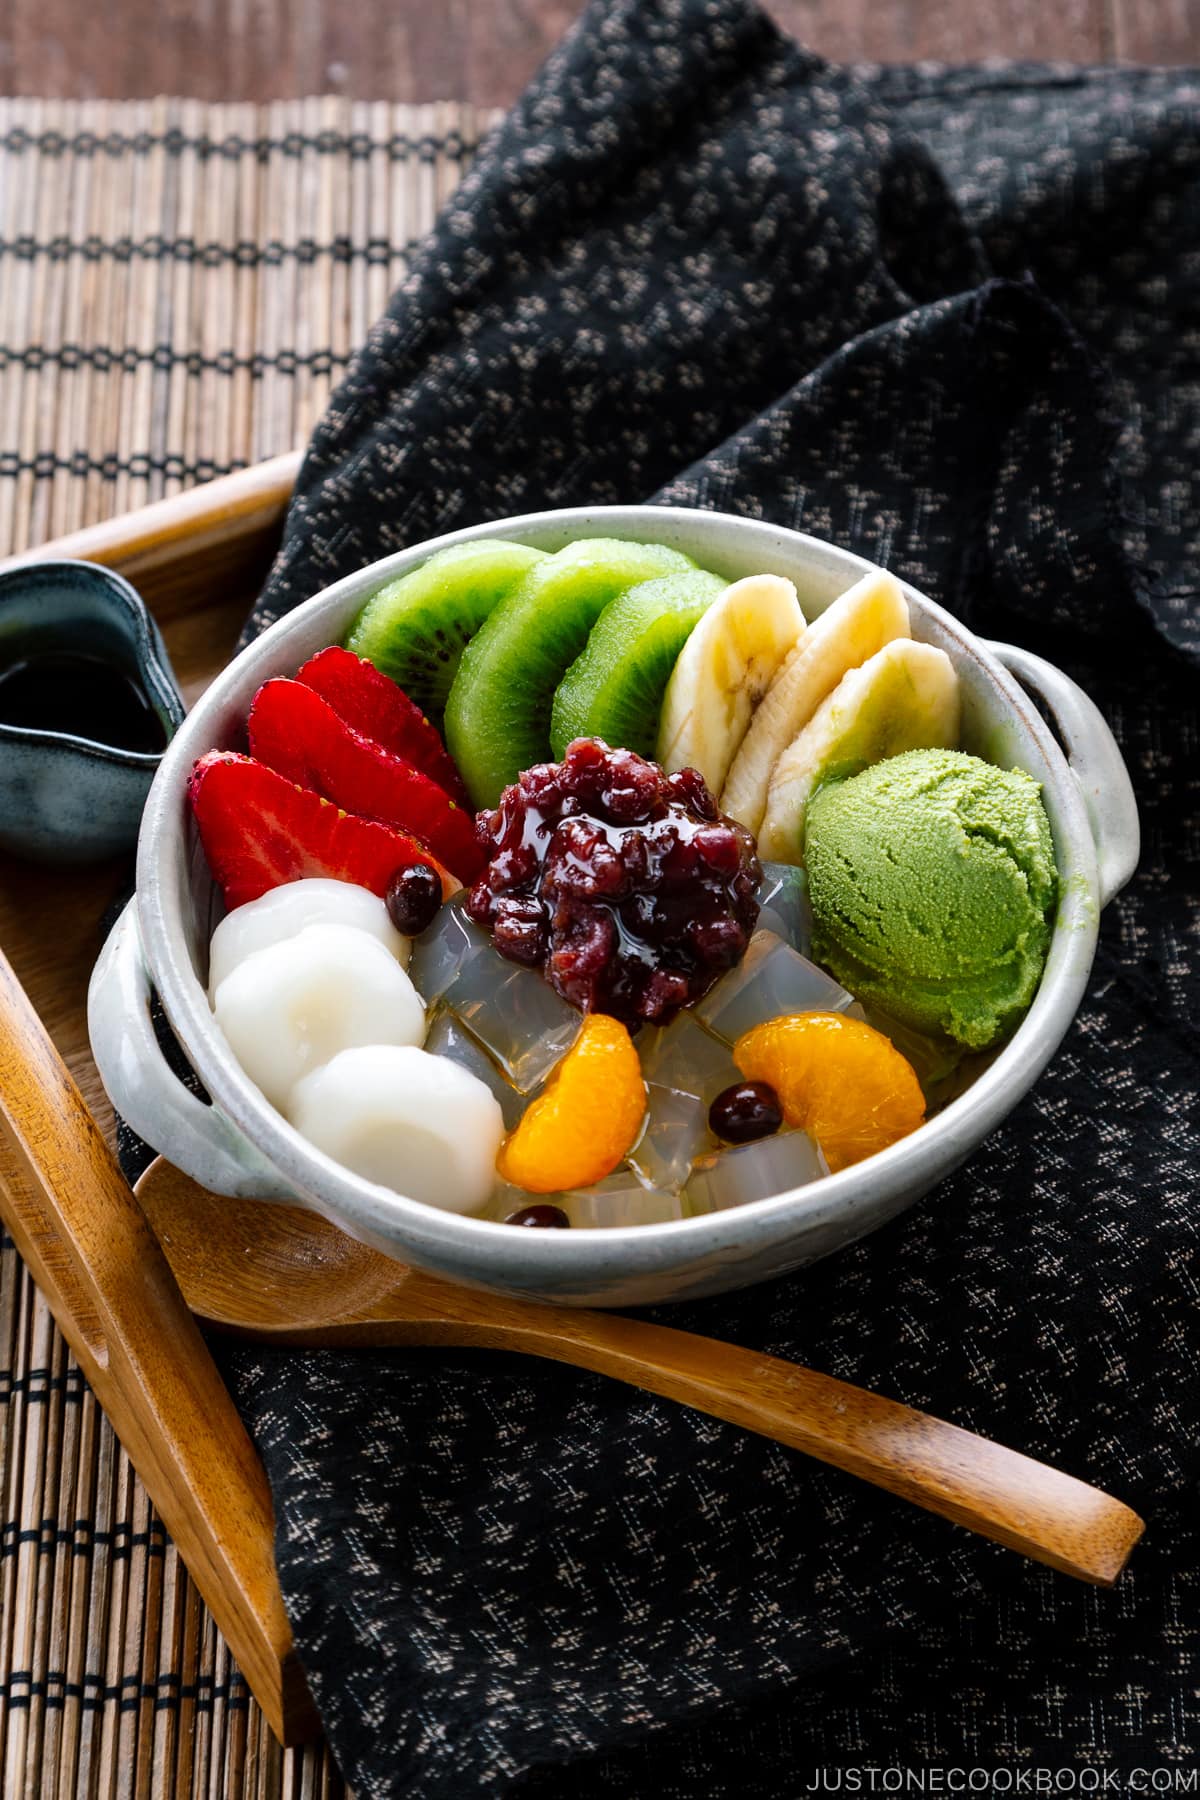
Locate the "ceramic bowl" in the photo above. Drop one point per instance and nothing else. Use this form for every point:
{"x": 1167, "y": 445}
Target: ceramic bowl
{"x": 240, "y": 1145}
{"x": 66, "y": 797}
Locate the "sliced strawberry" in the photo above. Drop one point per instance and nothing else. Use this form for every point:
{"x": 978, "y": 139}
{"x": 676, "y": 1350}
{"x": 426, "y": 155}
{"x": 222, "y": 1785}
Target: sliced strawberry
{"x": 294, "y": 731}
{"x": 260, "y": 830}
{"x": 370, "y": 701}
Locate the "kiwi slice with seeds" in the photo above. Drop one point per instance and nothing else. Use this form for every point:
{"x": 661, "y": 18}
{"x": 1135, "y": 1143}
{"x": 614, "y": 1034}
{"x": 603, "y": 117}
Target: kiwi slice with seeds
{"x": 614, "y": 689}
{"x": 498, "y": 710}
{"x": 416, "y": 627}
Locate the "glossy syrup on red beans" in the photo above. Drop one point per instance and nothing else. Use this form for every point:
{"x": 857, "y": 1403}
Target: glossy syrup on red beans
{"x": 627, "y": 887}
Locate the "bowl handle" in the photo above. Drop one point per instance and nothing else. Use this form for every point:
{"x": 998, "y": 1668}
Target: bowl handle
{"x": 1094, "y": 760}
{"x": 146, "y": 1090}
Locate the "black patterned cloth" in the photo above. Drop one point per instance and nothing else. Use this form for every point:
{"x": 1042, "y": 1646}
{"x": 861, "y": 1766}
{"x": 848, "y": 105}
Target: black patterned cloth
{"x": 951, "y": 318}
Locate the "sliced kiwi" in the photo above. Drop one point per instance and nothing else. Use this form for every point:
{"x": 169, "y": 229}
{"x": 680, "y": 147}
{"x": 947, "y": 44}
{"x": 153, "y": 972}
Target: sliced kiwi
{"x": 498, "y": 711}
{"x": 614, "y": 689}
{"x": 415, "y": 628}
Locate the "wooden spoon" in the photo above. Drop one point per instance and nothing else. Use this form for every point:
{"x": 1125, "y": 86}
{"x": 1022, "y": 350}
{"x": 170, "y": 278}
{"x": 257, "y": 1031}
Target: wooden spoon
{"x": 285, "y": 1276}
{"x": 85, "y": 1240}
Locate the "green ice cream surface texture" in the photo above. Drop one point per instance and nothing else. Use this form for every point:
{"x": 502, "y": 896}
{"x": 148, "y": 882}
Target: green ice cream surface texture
{"x": 933, "y": 886}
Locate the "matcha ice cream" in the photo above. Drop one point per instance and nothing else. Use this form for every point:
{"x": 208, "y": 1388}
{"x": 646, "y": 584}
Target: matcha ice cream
{"x": 932, "y": 882}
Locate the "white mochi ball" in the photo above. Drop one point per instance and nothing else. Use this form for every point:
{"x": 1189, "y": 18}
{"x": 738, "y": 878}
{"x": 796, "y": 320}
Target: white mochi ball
{"x": 285, "y": 910}
{"x": 288, "y": 1008}
{"x": 417, "y": 1123}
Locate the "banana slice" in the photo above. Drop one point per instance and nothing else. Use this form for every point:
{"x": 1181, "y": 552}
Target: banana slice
{"x": 723, "y": 671}
{"x": 859, "y": 622}
{"x": 904, "y": 698}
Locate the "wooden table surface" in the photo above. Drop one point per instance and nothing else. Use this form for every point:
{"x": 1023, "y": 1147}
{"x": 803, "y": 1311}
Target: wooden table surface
{"x": 485, "y": 50}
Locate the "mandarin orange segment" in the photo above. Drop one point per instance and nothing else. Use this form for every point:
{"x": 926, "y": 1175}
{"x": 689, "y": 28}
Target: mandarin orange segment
{"x": 838, "y": 1079}
{"x": 587, "y": 1118}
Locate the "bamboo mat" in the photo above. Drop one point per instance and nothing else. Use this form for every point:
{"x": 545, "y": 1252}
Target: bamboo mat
{"x": 180, "y": 284}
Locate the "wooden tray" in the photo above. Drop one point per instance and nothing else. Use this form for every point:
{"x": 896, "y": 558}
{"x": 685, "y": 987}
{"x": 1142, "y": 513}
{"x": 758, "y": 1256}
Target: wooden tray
{"x": 198, "y": 560}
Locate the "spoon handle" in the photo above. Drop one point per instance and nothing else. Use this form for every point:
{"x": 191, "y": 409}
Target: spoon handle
{"x": 84, "y": 1239}
{"x": 997, "y": 1492}
{"x": 280, "y": 1275}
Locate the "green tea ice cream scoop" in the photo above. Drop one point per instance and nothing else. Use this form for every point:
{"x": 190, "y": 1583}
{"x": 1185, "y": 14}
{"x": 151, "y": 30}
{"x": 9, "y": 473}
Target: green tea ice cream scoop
{"x": 933, "y": 884}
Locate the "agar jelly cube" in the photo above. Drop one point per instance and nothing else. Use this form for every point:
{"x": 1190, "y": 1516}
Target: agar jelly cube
{"x": 747, "y": 1172}
{"x": 771, "y": 979}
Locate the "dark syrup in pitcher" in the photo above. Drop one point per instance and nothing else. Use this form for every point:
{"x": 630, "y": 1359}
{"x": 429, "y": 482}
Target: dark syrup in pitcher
{"x": 83, "y": 695}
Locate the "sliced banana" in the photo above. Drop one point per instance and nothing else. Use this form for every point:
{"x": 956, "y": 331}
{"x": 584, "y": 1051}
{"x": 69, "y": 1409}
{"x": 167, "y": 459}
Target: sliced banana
{"x": 859, "y": 622}
{"x": 722, "y": 673}
{"x": 904, "y": 698}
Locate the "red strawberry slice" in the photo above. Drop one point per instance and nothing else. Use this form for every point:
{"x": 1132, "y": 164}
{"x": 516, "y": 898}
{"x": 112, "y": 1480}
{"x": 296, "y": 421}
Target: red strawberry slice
{"x": 370, "y": 701}
{"x": 259, "y": 830}
{"x": 297, "y": 733}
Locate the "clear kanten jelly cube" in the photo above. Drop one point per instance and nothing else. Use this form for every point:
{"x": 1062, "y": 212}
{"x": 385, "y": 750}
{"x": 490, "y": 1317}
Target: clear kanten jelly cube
{"x": 770, "y": 980}
{"x": 447, "y": 1037}
{"x": 745, "y": 1172}
{"x": 685, "y": 1057}
{"x": 513, "y": 1012}
{"x": 782, "y": 897}
{"x": 675, "y": 1132}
